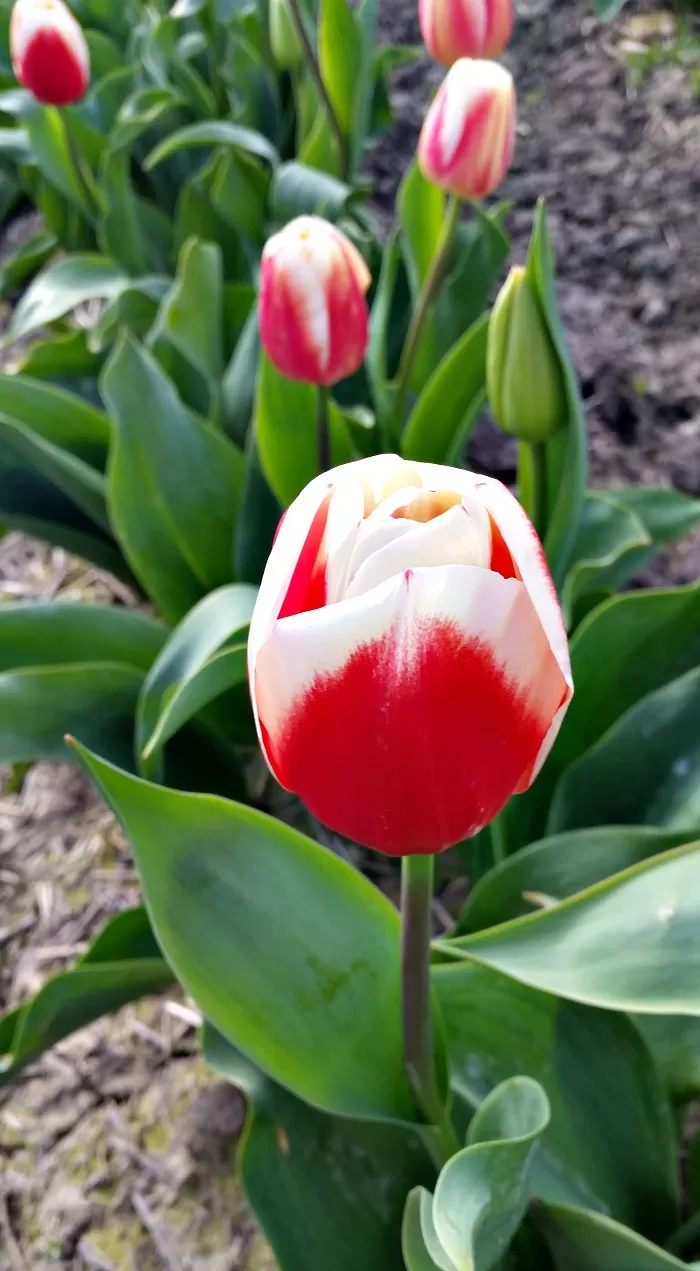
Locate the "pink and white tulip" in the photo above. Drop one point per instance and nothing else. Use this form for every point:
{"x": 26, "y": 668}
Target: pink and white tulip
{"x": 314, "y": 322}
{"x": 465, "y": 28}
{"x": 466, "y": 143}
{"x": 49, "y": 53}
{"x": 408, "y": 663}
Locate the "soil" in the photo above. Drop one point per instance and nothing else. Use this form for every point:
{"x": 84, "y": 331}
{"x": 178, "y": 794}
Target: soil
{"x": 117, "y": 1149}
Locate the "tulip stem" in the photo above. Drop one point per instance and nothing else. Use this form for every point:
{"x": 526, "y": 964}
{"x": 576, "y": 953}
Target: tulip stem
{"x": 535, "y": 498}
{"x": 419, "y": 1055}
{"x": 315, "y": 71}
{"x": 323, "y": 433}
{"x": 420, "y": 313}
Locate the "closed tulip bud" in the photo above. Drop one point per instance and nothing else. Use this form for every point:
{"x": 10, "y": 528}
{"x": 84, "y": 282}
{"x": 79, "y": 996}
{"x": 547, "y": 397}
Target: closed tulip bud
{"x": 284, "y": 40}
{"x": 523, "y": 373}
{"x": 314, "y": 323}
{"x": 465, "y": 28}
{"x": 49, "y": 53}
{"x": 466, "y": 143}
{"x": 408, "y": 662}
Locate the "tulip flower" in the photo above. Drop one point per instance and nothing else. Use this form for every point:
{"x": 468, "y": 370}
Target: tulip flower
{"x": 49, "y": 54}
{"x": 465, "y": 28}
{"x": 314, "y": 322}
{"x": 466, "y": 143}
{"x": 408, "y": 662}
{"x": 523, "y": 373}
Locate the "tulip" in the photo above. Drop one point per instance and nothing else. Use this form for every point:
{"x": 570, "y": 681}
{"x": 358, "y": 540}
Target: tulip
{"x": 523, "y": 373}
{"x": 49, "y": 53}
{"x": 466, "y": 143}
{"x": 465, "y": 28}
{"x": 314, "y": 323}
{"x": 408, "y": 662}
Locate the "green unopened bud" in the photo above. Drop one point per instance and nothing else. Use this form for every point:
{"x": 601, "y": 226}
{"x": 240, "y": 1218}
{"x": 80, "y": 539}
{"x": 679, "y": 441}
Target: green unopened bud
{"x": 284, "y": 40}
{"x": 523, "y": 373}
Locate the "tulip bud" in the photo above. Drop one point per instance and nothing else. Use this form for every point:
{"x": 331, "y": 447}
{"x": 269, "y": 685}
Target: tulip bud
{"x": 465, "y": 28}
{"x": 466, "y": 143}
{"x": 284, "y": 40}
{"x": 49, "y": 54}
{"x": 408, "y": 662}
{"x": 314, "y": 323}
{"x": 523, "y": 373}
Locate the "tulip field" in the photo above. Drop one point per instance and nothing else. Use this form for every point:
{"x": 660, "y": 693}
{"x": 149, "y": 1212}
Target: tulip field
{"x": 349, "y": 637}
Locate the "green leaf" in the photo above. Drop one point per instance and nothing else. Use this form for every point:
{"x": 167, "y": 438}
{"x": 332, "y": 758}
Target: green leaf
{"x": 40, "y": 634}
{"x": 63, "y": 419}
{"x": 567, "y": 452}
{"x": 285, "y": 428}
{"x": 378, "y": 350}
{"x": 51, "y": 151}
{"x": 482, "y": 1193}
{"x": 25, "y": 261}
{"x": 665, "y": 514}
{"x": 62, "y": 287}
{"x": 63, "y": 359}
{"x": 558, "y": 867}
{"x": 298, "y": 190}
{"x": 187, "y": 336}
{"x": 238, "y": 383}
{"x": 437, "y": 428}
{"x": 75, "y": 478}
{"x": 645, "y": 769}
{"x": 421, "y": 209}
{"x": 625, "y": 944}
{"x": 15, "y": 145}
{"x": 134, "y": 309}
{"x": 258, "y": 521}
{"x": 609, "y": 542}
{"x": 223, "y": 671}
{"x": 121, "y": 230}
{"x": 419, "y": 1202}
{"x": 342, "y": 1208}
{"x": 329, "y": 1027}
{"x": 217, "y": 132}
{"x": 174, "y": 485}
{"x": 340, "y": 58}
{"x": 198, "y": 215}
{"x": 611, "y": 1142}
{"x": 674, "y": 1041}
{"x": 122, "y": 964}
{"x": 219, "y": 616}
{"x": 584, "y": 1241}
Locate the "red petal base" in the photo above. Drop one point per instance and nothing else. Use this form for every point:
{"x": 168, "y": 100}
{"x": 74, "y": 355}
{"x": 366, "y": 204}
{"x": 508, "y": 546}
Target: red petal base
{"x": 51, "y": 72}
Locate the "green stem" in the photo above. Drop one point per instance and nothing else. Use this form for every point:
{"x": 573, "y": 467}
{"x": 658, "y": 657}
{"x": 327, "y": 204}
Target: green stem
{"x": 425, "y": 299}
{"x": 686, "y": 1237}
{"x": 419, "y": 1055}
{"x": 498, "y": 839}
{"x": 536, "y": 504}
{"x": 323, "y": 434}
{"x": 91, "y": 209}
{"x": 315, "y": 72}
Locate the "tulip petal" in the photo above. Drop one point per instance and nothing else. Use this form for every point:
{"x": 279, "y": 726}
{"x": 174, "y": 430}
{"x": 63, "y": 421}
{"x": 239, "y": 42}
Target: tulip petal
{"x": 406, "y": 717}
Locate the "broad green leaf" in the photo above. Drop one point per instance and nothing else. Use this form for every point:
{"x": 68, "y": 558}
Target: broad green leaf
{"x": 61, "y": 418}
{"x": 367, "y": 21}
{"x": 63, "y": 359}
{"x": 219, "y": 616}
{"x": 41, "y": 634}
{"x": 381, "y": 322}
{"x": 122, "y": 963}
{"x": 240, "y": 191}
{"x": 298, "y": 190}
{"x": 674, "y": 1041}
{"x": 223, "y": 671}
{"x": 584, "y": 1241}
{"x": 40, "y": 704}
{"x": 134, "y": 310}
{"x": 76, "y": 479}
{"x": 646, "y": 768}
{"x": 327, "y": 1191}
{"x": 626, "y": 944}
{"x": 286, "y": 431}
{"x": 449, "y": 404}
{"x": 258, "y": 521}
{"x": 302, "y": 976}
{"x": 120, "y": 233}
{"x": 174, "y": 485}
{"x": 610, "y": 1143}
{"x": 217, "y": 132}
{"x": 238, "y": 383}
{"x": 608, "y": 543}
{"x": 567, "y": 452}
{"x": 105, "y": 55}
{"x": 15, "y": 145}
{"x": 421, "y": 209}
{"x": 560, "y": 866}
{"x": 62, "y": 287}
{"x": 482, "y": 1193}
{"x": 665, "y": 514}
{"x": 340, "y": 58}
{"x": 25, "y": 261}
{"x": 199, "y": 216}
{"x": 417, "y": 1212}
{"x": 187, "y": 336}
{"x": 51, "y": 151}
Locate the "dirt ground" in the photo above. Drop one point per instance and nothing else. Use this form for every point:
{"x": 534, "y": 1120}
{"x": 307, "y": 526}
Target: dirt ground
{"x": 116, "y": 1149}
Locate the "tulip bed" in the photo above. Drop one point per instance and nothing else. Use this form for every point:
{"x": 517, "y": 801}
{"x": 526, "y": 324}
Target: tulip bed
{"x": 514, "y": 1092}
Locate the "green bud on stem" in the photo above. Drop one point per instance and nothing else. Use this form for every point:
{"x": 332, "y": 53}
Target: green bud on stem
{"x": 523, "y": 373}
{"x": 284, "y": 39}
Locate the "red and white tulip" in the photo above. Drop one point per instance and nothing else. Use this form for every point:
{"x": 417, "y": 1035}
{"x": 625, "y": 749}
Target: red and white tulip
{"x": 314, "y": 322}
{"x": 408, "y": 663}
{"x": 50, "y": 56}
{"x": 466, "y": 143}
{"x": 465, "y": 28}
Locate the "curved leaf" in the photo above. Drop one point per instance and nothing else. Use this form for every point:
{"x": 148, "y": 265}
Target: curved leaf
{"x": 40, "y": 634}
{"x": 222, "y": 672}
{"x": 298, "y": 190}
{"x": 340, "y": 58}
{"x": 187, "y": 335}
{"x": 63, "y": 286}
{"x": 450, "y": 401}
{"x": 216, "y": 132}
{"x": 608, "y": 543}
{"x": 421, "y": 210}
{"x": 76, "y": 479}
{"x": 329, "y": 1027}
{"x": 584, "y": 1241}
{"x": 62, "y": 418}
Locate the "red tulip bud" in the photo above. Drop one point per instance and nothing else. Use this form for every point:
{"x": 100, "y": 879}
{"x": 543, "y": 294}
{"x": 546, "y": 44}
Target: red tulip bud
{"x": 314, "y": 323}
{"x": 408, "y": 662}
{"x": 466, "y": 143}
{"x": 465, "y": 28}
{"x": 49, "y": 53}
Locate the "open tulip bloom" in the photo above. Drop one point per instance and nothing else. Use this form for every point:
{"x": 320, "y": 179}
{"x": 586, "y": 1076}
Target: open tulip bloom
{"x": 408, "y": 662}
